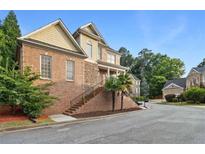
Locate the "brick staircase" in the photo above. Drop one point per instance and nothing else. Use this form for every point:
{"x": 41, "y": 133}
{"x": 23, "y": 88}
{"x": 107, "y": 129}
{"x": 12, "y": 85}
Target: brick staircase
{"x": 83, "y": 98}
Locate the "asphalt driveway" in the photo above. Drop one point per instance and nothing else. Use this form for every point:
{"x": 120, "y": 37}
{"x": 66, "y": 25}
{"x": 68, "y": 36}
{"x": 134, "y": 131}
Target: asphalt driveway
{"x": 159, "y": 124}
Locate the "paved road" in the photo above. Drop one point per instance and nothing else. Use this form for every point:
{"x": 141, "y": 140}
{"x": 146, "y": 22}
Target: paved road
{"x": 160, "y": 124}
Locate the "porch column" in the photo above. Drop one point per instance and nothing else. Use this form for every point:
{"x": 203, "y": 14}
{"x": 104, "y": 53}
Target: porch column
{"x": 108, "y": 72}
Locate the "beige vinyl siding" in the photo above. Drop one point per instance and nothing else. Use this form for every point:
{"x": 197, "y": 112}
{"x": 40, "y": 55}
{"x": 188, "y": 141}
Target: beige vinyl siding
{"x": 89, "y": 30}
{"x": 84, "y": 41}
{"x": 56, "y": 36}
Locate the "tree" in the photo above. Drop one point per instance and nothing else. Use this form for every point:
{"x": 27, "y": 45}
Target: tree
{"x": 202, "y": 64}
{"x": 17, "y": 89}
{"x": 112, "y": 85}
{"x": 11, "y": 32}
{"x": 154, "y": 69}
{"x": 156, "y": 84}
{"x": 124, "y": 86}
{"x": 144, "y": 88}
{"x": 126, "y": 59}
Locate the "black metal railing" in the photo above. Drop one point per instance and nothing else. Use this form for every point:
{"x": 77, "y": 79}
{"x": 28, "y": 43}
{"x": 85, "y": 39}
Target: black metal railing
{"x": 84, "y": 95}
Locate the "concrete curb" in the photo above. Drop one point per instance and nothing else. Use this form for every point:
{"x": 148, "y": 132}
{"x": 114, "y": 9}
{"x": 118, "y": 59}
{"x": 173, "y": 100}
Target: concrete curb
{"x": 80, "y": 120}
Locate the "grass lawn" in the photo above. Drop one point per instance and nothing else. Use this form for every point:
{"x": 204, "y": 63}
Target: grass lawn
{"x": 182, "y": 104}
{"x": 22, "y": 123}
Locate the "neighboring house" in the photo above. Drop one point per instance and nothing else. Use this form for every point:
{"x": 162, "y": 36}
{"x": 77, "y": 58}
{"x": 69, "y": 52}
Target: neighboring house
{"x": 78, "y": 65}
{"x": 135, "y": 88}
{"x": 176, "y": 86}
{"x": 195, "y": 78}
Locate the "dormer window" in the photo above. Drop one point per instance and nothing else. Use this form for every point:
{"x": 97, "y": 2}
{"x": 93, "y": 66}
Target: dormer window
{"x": 89, "y": 49}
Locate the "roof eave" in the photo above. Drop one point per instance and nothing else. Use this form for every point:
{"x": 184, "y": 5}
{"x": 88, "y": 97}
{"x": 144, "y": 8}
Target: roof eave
{"x": 54, "y": 48}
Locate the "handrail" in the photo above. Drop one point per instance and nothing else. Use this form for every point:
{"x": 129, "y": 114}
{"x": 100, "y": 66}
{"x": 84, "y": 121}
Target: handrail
{"x": 84, "y": 94}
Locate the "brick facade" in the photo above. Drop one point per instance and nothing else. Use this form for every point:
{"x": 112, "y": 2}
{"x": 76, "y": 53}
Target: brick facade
{"x": 55, "y": 40}
{"x": 64, "y": 90}
{"x": 103, "y": 102}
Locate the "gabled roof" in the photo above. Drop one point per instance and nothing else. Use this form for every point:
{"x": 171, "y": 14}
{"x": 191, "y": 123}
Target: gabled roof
{"x": 181, "y": 82}
{"x": 99, "y": 35}
{"x": 199, "y": 69}
{"x": 93, "y": 26}
{"x": 65, "y": 29}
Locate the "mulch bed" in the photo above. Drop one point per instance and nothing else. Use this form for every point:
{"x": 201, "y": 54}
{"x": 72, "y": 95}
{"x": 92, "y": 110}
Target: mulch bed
{"x": 11, "y": 118}
{"x": 102, "y": 113}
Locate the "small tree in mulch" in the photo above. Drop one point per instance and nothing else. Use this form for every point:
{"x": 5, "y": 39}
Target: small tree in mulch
{"x": 112, "y": 85}
{"x": 17, "y": 89}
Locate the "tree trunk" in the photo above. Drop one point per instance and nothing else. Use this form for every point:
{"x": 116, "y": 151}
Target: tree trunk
{"x": 13, "y": 109}
{"x": 113, "y": 101}
{"x": 122, "y": 98}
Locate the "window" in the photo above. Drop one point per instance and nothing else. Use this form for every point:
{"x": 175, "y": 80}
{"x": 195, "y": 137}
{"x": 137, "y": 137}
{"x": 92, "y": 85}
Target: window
{"x": 46, "y": 66}
{"x": 70, "y": 70}
{"x": 99, "y": 53}
{"x": 89, "y": 49}
{"x": 111, "y": 58}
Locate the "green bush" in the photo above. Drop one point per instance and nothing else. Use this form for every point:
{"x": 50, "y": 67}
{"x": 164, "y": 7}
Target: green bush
{"x": 140, "y": 98}
{"x": 170, "y": 97}
{"x": 181, "y": 97}
{"x": 195, "y": 95}
{"x": 17, "y": 89}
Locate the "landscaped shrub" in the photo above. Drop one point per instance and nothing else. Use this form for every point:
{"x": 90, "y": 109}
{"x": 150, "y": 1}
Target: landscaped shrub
{"x": 170, "y": 97}
{"x": 195, "y": 95}
{"x": 17, "y": 90}
{"x": 181, "y": 98}
{"x": 175, "y": 99}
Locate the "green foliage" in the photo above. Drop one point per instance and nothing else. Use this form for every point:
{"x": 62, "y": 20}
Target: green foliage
{"x": 125, "y": 83}
{"x": 195, "y": 95}
{"x": 112, "y": 84}
{"x": 9, "y": 32}
{"x": 202, "y": 64}
{"x": 156, "y": 84}
{"x": 126, "y": 58}
{"x": 140, "y": 98}
{"x": 17, "y": 89}
{"x": 170, "y": 97}
{"x": 144, "y": 87}
{"x": 154, "y": 69}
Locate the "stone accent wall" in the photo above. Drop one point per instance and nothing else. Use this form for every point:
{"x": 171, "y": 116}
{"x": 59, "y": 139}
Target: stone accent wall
{"x": 190, "y": 77}
{"x": 91, "y": 75}
{"x": 63, "y": 89}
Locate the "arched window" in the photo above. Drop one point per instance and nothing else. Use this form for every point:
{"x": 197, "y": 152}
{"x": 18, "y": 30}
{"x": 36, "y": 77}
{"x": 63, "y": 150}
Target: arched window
{"x": 89, "y": 49}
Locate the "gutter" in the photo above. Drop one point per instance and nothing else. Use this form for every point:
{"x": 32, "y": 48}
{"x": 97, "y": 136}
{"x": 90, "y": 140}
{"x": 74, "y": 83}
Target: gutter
{"x": 54, "y": 48}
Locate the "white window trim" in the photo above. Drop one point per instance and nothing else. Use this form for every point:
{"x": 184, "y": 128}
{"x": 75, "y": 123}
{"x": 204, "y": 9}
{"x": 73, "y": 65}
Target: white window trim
{"x": 67, "y": 70}
{"x": 43, "y": 78}
{"x": 108, "y": 60}
{"x": 90, "y": 43}
{"x": 172, "y": 84}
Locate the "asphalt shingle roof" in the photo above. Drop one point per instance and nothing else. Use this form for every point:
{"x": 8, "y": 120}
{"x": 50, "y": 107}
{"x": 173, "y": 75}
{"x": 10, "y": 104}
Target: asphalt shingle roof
{"x": 180, "y": 82}
{"x": 199, "y": 69}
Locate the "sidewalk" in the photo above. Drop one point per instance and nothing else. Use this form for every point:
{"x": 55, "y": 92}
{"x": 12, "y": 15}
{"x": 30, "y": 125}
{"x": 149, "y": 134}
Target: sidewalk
{"x": 44, "y": 124}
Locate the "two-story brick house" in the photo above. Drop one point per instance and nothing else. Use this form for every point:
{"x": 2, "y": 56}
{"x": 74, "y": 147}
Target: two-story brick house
{"x": 78, "y": 65}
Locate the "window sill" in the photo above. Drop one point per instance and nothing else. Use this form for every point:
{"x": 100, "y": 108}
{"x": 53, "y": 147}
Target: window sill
{"x": 70, "y": 80}
{"x": 41, "y": 78}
